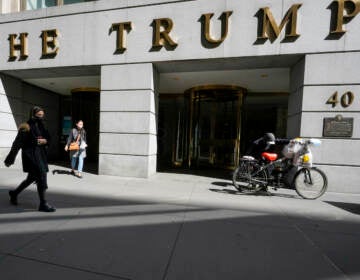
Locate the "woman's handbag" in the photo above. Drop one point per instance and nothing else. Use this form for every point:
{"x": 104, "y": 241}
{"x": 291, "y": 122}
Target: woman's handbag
{"x": 74, "y": 146}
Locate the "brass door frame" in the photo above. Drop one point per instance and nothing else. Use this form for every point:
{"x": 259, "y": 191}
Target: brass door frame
{"x": 192, "y": 97}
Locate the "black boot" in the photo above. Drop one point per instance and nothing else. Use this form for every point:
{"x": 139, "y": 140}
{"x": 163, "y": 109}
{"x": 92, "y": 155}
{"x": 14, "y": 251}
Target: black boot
{"x": 13, "y": 198}
{"x": 45, "y": 207}
{"x": 41, "y": 188}
{"x": 24, "y": 184}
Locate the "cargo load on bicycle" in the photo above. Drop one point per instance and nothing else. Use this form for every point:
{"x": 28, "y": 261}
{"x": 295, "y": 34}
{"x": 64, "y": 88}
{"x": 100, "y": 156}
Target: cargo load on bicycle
{"x": 292, "y": 167}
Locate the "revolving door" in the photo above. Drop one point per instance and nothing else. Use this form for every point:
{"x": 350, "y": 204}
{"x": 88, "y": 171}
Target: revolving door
{"x": 214, "y": 126}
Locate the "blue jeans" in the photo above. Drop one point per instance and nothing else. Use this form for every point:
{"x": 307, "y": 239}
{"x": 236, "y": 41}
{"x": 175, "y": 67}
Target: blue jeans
{"x": 80, "y": 165}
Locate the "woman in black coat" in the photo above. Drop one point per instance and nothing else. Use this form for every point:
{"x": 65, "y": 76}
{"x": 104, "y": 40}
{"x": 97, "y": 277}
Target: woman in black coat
{"x": 33, "y": 139}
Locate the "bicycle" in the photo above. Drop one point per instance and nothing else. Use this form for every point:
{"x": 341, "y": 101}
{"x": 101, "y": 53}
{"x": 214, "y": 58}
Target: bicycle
{"x": 294, "y": 171}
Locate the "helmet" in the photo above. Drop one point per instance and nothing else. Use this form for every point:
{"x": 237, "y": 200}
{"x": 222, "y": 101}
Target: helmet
{"x": 269, "y": 138}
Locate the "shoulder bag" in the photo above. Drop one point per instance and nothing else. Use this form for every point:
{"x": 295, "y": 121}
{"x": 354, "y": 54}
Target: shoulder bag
{"x": 74, "y": 146}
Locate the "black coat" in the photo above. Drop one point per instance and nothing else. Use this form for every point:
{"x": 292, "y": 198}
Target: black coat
{"x": 34, "y": 156}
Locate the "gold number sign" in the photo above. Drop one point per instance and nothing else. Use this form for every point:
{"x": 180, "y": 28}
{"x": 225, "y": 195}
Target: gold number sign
{"x": 345, "y": 100}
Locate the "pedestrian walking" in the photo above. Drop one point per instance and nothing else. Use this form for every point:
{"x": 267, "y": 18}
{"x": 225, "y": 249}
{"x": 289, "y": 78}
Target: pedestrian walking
{"x": 76, "y": 144}
{"x": 33, "y": 139}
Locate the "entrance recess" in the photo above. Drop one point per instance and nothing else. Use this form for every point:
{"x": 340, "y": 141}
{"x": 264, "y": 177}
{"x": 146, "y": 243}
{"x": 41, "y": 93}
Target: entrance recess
{"x": 214, "y": 125}
{"x": 86, "y": 107}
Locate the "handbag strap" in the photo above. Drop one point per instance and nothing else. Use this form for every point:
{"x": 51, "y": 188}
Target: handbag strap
{"x": 78, "y": 138}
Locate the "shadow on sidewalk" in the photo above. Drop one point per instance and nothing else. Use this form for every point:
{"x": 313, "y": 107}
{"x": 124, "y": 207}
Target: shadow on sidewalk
{"x": 62, "y": 172}
{"x": 28, "y": 201}
{"x": 350, "y": 207}
{"x": 106, "y": 238}
{"x": 114, "y": 238}
{"x": 231, "y": 190}
{"x": 89, "y": 166}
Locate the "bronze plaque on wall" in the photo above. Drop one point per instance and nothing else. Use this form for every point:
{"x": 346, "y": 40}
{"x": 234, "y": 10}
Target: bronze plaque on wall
{"x": 338, "y": 127}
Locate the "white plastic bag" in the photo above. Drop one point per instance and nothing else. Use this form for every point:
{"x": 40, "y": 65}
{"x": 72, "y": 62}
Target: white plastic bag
{"x": 291, "y": 149}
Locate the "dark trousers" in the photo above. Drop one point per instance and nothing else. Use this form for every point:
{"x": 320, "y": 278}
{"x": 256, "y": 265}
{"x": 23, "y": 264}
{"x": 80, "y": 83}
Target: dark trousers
{"x": 41, "y": 182}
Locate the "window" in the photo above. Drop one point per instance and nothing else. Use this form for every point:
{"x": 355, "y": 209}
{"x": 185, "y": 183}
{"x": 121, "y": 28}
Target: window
{"x": 38, "y": 4}
{"x": 11, "y": 6}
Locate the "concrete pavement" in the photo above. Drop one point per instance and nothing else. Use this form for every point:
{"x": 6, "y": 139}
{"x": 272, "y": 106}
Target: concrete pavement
{"x": 174, "y": 226}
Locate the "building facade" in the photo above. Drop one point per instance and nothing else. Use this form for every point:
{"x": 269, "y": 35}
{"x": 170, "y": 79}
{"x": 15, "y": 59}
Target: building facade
{"x": 186, "y": 83}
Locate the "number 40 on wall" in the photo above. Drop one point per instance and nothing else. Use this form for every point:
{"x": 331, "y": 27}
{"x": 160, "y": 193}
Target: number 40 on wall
{"x": 345, "y": 100}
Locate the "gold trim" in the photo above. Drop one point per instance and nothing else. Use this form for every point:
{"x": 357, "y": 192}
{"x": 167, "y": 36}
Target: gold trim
{"x": 85, "y": 89}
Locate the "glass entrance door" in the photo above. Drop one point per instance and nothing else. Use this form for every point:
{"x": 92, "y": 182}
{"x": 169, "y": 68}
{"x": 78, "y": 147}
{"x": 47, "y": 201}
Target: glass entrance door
{"x": 214, "y": 125}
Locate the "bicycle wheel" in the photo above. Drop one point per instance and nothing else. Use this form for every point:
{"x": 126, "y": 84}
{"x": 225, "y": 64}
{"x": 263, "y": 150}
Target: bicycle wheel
{"x": 310, "y": 183}
{"x": 249, "y": 177}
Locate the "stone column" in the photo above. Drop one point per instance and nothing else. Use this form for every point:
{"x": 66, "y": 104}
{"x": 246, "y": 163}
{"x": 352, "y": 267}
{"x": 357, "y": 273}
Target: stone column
{"x": 295, "y": 99}
{"x": 10, "y": 114}
{"x": 322, "y": 76}
{"x": 128, "y": 143}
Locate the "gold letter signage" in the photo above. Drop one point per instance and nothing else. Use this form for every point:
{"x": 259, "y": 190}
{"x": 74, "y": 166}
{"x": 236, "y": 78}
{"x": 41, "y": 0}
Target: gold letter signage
{"x": 49, "y": 43}
{"x": 162, "y": 38}
{"x": 268, "y": 29}
{"x": 120, "y": 29}
{"x": 224, "y": 27}
{"x": 346, "y": 99}
{"x": 345, "y": 11}
{"x": 22, "y": 46}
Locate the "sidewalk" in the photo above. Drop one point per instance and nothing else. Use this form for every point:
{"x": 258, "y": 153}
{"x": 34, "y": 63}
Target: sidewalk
{"x": 174, "y": 226}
